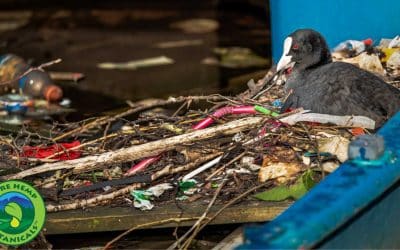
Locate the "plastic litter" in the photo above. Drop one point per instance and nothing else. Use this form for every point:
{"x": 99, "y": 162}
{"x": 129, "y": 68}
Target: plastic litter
{"x": 393, "y": 65}
{"x": 46, "y": 151}
{"x": 336, "y": 145}
{"x": 281, "y": 171}
{"x": 347, "y": 120}
{"x": 142, "y": 198}
{"x": 15, "y": 104}
{"x": 135, "y": 64}
{"x": 394, "y": 43}
{"x": 353, "y": 47}
{"x": 248, "y": 162}
{"x": 17, "y": 76}
{"x": 187, "y": 187}
{"x": 371, "y": 62}
{"x": 201, "y": 169}
{"x": 142, "y": 165}
{"x": 366, "y": 147}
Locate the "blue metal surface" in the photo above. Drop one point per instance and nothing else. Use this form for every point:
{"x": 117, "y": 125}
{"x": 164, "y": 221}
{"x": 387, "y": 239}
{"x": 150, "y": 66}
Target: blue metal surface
{"x": 335, "y": 201}
{"x": 337, "y": 20}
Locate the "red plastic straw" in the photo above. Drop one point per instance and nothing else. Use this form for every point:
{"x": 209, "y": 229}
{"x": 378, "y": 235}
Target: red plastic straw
{"x": 142, "y": 165}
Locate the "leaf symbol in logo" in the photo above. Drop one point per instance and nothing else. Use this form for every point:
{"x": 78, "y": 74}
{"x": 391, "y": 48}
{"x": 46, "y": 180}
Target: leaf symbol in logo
{"x": 15, "y": 211}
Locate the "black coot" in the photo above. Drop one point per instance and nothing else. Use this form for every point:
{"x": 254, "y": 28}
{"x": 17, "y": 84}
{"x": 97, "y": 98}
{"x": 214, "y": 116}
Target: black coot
{"x": 337, "y": 88}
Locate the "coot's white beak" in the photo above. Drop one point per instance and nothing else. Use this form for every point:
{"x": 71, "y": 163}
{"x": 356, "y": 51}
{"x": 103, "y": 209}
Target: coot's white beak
{"x": 286, "y": 60}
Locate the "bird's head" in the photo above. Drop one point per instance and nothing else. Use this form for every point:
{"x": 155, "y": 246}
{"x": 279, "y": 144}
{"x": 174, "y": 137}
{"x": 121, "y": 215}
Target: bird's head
{"x": 304, "y": 48}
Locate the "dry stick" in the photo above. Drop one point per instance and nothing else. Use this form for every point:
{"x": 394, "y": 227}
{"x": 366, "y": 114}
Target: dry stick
{"x": 135, "y": 152}
{"x": 179, "y": 109}
{"x": 140, "y": 106}
{"x": 92, "y": 201}
{"x": 149, "y": 224}
{"x": 103, "y": 144}
{"x": 225, "y": 165}
{"x": 176, "y": 243}
{"x": 101, "y": 198}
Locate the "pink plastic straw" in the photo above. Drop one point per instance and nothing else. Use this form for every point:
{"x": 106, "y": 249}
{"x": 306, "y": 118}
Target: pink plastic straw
{"x": 142, "y": 165}
{"x": 222, "y": 112}
{"x": 238, "y": 110}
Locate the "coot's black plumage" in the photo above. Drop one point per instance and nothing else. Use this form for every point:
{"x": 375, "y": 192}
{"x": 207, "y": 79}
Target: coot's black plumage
{"x": 337, "y": 88}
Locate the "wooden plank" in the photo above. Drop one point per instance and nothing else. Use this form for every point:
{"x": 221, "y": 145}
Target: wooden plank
{"x": 121, "y": 218}
{"x": 231, "y": 241}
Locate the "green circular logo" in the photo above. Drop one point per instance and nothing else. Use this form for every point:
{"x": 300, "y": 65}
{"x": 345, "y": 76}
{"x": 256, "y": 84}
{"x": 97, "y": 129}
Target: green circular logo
{"x": 22, "y": 213}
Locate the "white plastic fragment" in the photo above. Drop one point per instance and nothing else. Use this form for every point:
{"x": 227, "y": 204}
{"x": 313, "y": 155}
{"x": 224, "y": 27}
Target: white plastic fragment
{"x": 393, "y": 64}
{"x": 142, "y": 198}
{"x": 306, "y": 160}
{"x": 347, "y": 120}
{"x": 351, "y": 45}
{"x": 371, "y": 62}
{"x": 143, "y": 204}
{"x": 238, "y": 171}
{"x": 330, "y": 166}
{"x": 281, "y": 171}
{"x": 395, "y": 42}
{"x": 336, "y": 145}
{"x": 201, "y": 168}
{"x": 159, "y": 189}
{"x": 135, "y": 64}
{"x": 248, "y": 162}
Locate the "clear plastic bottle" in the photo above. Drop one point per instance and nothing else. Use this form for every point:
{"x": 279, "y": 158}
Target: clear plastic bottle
{"x": 353, "y": 47}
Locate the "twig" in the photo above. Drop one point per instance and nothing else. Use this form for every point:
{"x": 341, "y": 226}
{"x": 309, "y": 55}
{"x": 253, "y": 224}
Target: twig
{"x": 198, "y": 222}
{"x": 264, "y": 83}
{"x": 149, "y": 224}
{"x": 103, "y": 144}
{"x": 224, "y": 166}
{"x": 92, "y": 201}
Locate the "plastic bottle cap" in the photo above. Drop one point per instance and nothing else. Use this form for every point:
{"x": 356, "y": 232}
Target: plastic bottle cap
{"x": 53, "y": 93}
{"x": 368, "y": 41}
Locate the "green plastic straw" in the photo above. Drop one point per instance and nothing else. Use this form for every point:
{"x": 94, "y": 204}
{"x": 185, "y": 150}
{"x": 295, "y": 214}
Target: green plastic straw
{"x": 265, "y": 111}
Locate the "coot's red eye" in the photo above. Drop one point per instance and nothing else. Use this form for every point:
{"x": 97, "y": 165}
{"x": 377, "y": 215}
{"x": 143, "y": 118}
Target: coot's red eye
{"x": 295, "y": 47}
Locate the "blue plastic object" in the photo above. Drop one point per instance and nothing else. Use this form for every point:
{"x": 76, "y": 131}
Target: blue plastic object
{"x": 338, "y": 200}
{"x": 15, "y": 104}
{"x": 336, "y": 20}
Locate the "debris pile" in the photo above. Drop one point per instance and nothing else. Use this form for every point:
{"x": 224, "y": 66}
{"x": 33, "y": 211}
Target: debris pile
{"x": 156, "y": 152}
{"x": 159, "y": 151}
{"x": 383, "y": 59}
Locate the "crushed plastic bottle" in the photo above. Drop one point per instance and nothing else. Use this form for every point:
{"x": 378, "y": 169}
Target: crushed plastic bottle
{"x": 353, "y": 47}
{"x": 393, "y": 65}
{"x": 372, "y": 63}
{"x": 35, "y": 83}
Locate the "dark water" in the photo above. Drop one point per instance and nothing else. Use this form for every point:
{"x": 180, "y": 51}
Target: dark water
{"x": 85, "y": 33}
